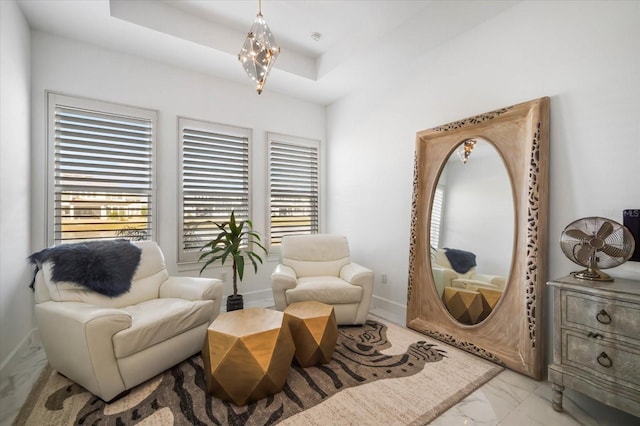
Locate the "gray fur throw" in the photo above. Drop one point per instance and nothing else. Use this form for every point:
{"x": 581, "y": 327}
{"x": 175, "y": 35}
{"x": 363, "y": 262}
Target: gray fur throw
{"x": 104, "y": 266}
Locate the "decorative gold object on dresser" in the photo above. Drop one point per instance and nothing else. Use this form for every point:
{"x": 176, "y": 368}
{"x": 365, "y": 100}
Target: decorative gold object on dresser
{"x": 476, "y": 277}
{"x": 596, "y": 341}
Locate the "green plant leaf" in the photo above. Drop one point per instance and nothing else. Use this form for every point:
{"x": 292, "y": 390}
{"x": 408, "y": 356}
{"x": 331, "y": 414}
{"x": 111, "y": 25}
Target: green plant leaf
{"x": 225, "y": 253}
{"x": 261, "y": 246}
{"x": 253, "y": 257}
{"x": 240, "y": 266}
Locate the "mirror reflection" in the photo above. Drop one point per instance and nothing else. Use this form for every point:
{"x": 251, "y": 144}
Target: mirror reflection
{"x": 472, "y": 231}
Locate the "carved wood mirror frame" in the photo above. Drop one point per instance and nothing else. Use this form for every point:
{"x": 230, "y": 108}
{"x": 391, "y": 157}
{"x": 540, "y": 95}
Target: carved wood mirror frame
{"x": 511, "y": 335}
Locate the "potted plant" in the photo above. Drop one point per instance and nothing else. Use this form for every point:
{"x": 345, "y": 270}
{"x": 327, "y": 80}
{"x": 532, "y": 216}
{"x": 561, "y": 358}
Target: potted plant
{"x": 228, "y": 244}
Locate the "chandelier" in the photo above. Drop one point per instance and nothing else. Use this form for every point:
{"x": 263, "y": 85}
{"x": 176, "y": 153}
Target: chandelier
{"x": 465, "y": 148}
{"x": 259, "y": 51}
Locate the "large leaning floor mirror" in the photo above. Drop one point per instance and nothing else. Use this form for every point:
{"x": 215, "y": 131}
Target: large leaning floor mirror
{"x": 479, "y": 219}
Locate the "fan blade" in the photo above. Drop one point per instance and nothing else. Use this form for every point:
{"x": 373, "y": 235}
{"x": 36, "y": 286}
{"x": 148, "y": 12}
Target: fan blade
{"x": 605, "y": 230}
{"x": 613, "y": 251}
{"x": 578, "y": 234}
{"x": 584, "y": 254}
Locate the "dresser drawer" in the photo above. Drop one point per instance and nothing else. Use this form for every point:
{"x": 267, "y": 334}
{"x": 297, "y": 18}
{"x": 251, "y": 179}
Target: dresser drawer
{"x": 615, "y": 317}
{"x": 602, "y": 358}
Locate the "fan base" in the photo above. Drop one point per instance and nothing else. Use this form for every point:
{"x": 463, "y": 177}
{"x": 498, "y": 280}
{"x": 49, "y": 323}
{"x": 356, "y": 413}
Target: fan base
{"x": 592, "y": 274}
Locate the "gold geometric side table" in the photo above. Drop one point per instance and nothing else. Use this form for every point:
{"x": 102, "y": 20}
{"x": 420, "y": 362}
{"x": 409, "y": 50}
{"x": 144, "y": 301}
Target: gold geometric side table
{"x": 490, "y": 299}
{"x": 247, "y": 355}
{"x": 315, "y": 331}
{"x": 464, "y": 305}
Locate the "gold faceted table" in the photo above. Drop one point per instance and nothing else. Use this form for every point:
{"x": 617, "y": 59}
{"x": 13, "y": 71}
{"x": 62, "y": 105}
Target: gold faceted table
{"x": 247, "y": 355}
{"x": 463, "y": 305}
{"x": 490, "y": 299}
{"x": 315, "y": 331}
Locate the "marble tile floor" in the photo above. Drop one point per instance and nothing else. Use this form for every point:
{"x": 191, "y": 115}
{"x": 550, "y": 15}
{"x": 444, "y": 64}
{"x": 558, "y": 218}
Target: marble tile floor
{"x": 508, "y": 399}
{"x": 18, "y": 377}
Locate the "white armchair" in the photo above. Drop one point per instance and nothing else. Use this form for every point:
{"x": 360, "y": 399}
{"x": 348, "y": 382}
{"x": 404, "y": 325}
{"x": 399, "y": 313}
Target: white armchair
{"x": 445, "y": 276}
{"x": 109, "y": 345}
{"x": 318, "y": 267}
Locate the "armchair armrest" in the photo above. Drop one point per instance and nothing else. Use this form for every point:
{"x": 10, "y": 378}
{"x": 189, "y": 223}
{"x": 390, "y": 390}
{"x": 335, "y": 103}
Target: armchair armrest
{"x": 192, "y": 288}
{"x": 282, "y": 279}
{"x": 473, "y": 285}
{"x": 357, "y": 275}
{"x": 496, "y": 280}
{"x": 77, "y": 338}
{"x": 443, "y": 278}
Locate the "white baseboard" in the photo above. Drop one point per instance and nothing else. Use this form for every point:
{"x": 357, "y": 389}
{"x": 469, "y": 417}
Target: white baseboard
{"x": 388, "y": 309}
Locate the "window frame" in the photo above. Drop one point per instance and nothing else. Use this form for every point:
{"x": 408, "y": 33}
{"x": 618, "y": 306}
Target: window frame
{"x": 54, "y": 100}
{"x": 186, "y": 257}
{"x": 296, "y": 141}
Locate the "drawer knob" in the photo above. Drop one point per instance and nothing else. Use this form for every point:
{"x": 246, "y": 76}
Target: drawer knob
{"x": 603, "y": 317}
{"x": 604, "y": 360}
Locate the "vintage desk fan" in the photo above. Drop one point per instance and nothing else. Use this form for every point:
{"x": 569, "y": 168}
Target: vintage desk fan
{"x": 596, "y": 243}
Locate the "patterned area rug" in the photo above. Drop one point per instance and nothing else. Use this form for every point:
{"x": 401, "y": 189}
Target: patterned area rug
{"x": 380, "y": 373}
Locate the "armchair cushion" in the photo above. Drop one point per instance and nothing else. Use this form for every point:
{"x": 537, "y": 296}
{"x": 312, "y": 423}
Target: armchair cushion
{"x": 329, "y": 290}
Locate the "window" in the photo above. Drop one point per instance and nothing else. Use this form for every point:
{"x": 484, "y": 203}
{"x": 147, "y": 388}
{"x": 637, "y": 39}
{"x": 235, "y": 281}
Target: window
{"x": 215, "y": 180}
{"x": 436, "y": 216}
{"x": 293, "y": 186}
{"x": 101, "y": 179}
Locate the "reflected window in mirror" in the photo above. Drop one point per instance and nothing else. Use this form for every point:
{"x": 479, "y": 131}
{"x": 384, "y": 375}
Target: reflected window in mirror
{"x": 436, "y": 216}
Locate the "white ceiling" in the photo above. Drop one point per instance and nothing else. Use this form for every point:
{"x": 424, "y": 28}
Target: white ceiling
{"x": 361, "y": 40}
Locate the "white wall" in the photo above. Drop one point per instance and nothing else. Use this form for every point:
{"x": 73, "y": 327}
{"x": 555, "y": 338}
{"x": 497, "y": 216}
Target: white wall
{"x": 15, "y": 178}
{"x": 584, "y": 55}
{"x": 80, "y": 69}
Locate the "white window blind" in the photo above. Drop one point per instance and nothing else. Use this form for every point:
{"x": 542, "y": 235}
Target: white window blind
{"x": 215, "y": 180}
{"x": 436, "y": 216}
{"x": 293, "y": 186}
{"x": 102, "y": 173}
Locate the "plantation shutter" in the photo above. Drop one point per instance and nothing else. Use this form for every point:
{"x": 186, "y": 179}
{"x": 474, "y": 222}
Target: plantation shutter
{"x": 215, "y": 180}
{"x": 293, "y": 187}
{"x": 102, "y": 170}
{"x": 436, "y": 217}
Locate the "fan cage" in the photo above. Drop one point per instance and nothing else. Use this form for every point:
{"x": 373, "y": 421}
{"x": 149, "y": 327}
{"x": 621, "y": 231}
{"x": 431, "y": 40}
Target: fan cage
{"x": 619, "y": 240}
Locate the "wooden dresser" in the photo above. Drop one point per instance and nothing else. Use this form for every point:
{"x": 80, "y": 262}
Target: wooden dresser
{"x": 596, "y": 341}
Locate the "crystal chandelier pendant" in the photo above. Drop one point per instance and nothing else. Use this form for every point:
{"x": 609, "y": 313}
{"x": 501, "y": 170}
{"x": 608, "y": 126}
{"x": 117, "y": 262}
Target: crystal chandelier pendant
{"x": 259, "y": 52}
{"x": 465, "y": 148}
